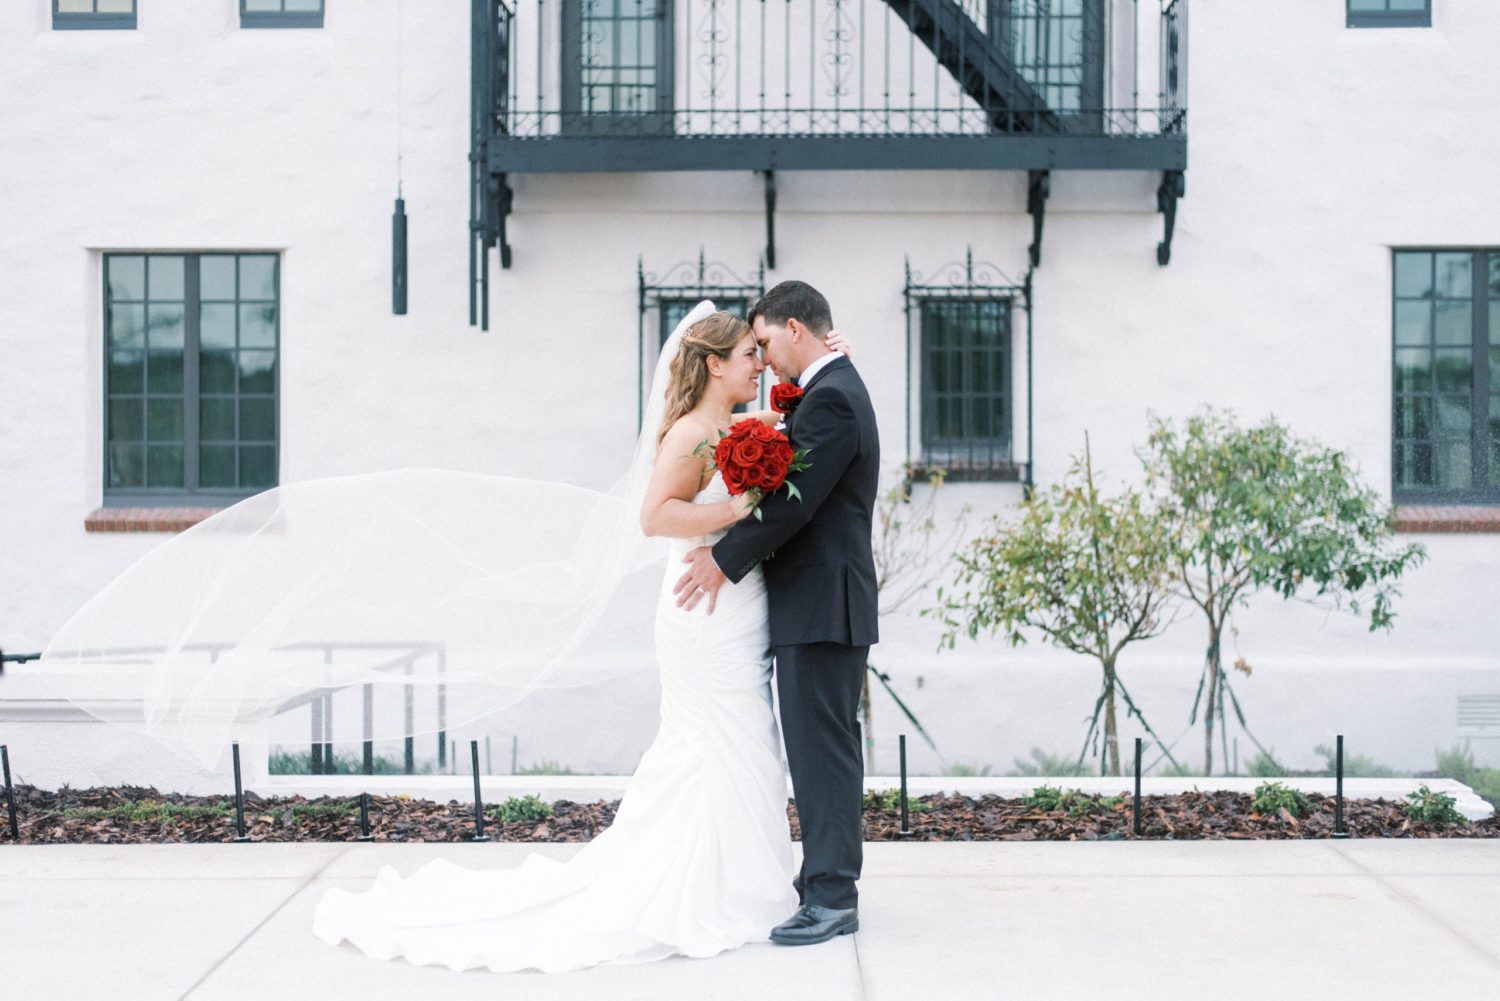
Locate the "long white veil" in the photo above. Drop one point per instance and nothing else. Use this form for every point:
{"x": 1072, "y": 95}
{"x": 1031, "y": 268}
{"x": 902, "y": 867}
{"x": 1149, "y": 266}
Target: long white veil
{"x": 485, "y": 587}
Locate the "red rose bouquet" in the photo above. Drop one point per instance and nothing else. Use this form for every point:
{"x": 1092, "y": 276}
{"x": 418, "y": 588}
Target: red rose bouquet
{"x": 755, "y": 458}
{"x": 785, "y": 396}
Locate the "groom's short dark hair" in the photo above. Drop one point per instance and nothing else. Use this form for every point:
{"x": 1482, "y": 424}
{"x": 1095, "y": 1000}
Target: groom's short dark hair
{"x": 794, "y": 300}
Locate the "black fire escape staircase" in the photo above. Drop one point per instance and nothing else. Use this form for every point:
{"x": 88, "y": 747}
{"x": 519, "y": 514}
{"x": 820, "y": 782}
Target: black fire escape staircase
{"x": 1019, "y": 132}
{"x": 970, "y": 57}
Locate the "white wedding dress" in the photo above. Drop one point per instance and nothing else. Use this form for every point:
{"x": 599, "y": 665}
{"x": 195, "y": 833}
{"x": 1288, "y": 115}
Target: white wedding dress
{"x": 697, "y": 861}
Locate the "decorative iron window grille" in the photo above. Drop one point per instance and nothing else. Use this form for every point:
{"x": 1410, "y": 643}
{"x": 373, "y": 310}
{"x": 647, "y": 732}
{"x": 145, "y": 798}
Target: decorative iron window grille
{"x": 617, "y": 67}
{"x": 1059, "y": 47}
{"x": 1388, "y": 13}
{"x": 191, "y": 377}
{"x": 961, "y": 362}
{"x": 578, "y": 86}
{"x": 1446, "y": 376}
{"x": 665, "y": 300}
{"x": 85, "y": 14}
{"x": 281, "y": 13}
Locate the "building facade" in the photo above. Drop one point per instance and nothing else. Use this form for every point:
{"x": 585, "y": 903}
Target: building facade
{"x": 1015, "y": 220}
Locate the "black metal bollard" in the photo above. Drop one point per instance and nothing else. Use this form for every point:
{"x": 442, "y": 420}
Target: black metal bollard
{"x": 905, "y": 825}
{"x": 239, "y": 797}
{"x": 1136, "y": 820}
{"x": 479, "y": 834}
{"x": 364, "y": 817}
{"x": 1338, "y": 791}
{"x": 10, "y": 794}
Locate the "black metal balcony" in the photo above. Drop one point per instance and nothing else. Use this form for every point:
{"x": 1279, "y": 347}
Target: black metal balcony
{"x": 766, "y": 85}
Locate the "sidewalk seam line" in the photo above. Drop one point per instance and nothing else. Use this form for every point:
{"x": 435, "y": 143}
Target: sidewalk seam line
{"x": 1417, "y": 905}
{"x": 261, "y": 924}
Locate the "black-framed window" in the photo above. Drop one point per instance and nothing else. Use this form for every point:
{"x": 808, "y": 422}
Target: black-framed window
{"x": 1446, "y": 376}
{"x": 1389, "y": 13}
{"x": 68, "y": 14}
{"x": 281, "y": 13}
{"x": 666, "y": 298}
{"x": 191, "y": 376}
{"x": 671, "y": 311}
{"x": 617, "y": 66}
{"x": 966, "y": 364}
{"x": 1058, "y": 47}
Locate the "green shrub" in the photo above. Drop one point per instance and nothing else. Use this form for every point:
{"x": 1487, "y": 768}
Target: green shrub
{"x": 890, "y": 800}
{"x": 961, "y": 770}
{"x": 1072, "y": 801}
{"x": 1433, "y": 807}
{"x": 1271, "y": 797}
{"x": 283, "y": 762}
{"x": 1050, "y": 765}
{"x": 1180, "y": 771}
{"x": 519, "y": 808}
{"x": 144, "y": 811}
{"x": 1264, "y": 766}
{"x": 1356, "y": 766}
{"x": 548, "y": 767}
{"x": 1458, "y": 764}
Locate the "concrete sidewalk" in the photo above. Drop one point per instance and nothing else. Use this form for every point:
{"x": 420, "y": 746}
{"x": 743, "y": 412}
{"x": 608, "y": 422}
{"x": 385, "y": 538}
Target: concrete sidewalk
{"x": 1203, "y": 920}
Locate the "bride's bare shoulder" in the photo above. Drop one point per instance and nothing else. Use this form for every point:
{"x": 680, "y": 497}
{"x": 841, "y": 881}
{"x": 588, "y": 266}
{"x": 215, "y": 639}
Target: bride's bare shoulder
{"x": 685, "y": 434}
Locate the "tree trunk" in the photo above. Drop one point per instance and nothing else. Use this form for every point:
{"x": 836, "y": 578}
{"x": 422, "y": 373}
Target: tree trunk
{"x": 1111, "y": 737}
{"x": 1212, "y": 693}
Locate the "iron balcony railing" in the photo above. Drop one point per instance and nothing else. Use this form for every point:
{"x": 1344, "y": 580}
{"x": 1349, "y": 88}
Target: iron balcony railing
{"x": 766, "y": 85}
{"x": 831, "y": 68}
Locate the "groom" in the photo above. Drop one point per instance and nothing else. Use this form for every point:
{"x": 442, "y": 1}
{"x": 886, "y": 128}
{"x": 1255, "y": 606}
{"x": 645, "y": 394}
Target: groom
{"x": 821, "y": 591}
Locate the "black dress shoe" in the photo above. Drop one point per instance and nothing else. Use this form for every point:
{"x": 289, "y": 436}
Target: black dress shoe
{"x": 813, "y": 924}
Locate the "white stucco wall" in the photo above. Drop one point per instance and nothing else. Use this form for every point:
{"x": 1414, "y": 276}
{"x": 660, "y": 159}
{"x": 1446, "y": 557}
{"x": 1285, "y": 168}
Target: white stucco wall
{"x": 1313, "y": 150}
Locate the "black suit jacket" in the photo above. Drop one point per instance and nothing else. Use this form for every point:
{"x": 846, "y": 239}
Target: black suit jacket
{"x": 820, "y": 572}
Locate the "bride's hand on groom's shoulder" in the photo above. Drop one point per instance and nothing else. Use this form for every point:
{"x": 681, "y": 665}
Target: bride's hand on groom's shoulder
{"x": 838, "y": 342}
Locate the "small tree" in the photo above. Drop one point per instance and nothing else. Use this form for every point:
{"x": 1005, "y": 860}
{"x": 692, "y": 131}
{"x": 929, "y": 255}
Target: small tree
{"x": 1255, "y": 509}
{"x": 911, "y": 548}
{"x": 1091, "y": 573}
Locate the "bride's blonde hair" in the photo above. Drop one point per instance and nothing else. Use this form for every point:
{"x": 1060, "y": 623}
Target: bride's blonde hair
{"x": 715, "y": 334}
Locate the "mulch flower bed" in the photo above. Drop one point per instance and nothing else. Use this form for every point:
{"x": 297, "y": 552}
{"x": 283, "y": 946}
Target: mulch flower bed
{"x": 132, "y": 815}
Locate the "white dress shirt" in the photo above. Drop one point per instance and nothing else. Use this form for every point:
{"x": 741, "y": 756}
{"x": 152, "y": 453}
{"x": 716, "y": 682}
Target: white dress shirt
{"x": 817, "y": 366}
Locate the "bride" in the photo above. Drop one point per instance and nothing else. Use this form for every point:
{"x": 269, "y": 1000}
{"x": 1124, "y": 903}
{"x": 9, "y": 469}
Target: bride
{"x": 699, "y": 857}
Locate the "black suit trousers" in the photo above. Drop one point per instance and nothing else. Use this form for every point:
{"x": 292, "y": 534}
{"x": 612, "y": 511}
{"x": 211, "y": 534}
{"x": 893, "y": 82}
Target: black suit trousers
{"x": 818, "y": 686}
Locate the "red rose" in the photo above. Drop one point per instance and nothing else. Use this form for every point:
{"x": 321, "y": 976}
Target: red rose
{"x": 734, "y": 479}
{"x": 785, "y": 396}
{"x": 748, "y": 426}
{"x": 766, "y": 433}
{"x": 748, "y": 452}
{"x": 723, "y": 452}
{"x": 772, "y": 477}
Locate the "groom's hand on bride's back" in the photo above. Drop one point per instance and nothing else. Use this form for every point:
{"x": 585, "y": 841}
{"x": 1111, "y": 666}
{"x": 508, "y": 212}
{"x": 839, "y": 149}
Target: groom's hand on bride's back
{"x": 703, "y": 577}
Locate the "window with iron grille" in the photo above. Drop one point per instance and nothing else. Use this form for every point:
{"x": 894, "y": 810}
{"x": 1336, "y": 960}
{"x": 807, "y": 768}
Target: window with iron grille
{"x": 1389, "y": 13}
{"x": 1058, "y": 46}
{"x": 281, "y": 13}
{"x": 1446, "y": 413}
{"x": 666, "y": 298}
{"x": 68, "y": 14}
{"x": 966, "y": 379}
{"x": 617, "y": 66}
{"x": 963, "y": 375}
{"x": 191, "y": 368}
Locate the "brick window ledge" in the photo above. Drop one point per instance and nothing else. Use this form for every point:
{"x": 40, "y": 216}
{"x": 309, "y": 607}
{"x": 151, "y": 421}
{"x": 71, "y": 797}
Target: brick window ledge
{"x": 146, "y": 519}
{"x": 1447, "y": 518}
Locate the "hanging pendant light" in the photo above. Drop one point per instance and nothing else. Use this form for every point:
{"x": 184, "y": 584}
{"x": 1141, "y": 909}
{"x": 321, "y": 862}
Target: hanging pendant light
{"x": 398, "y": 256}
{"x": 398, "y": 217}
